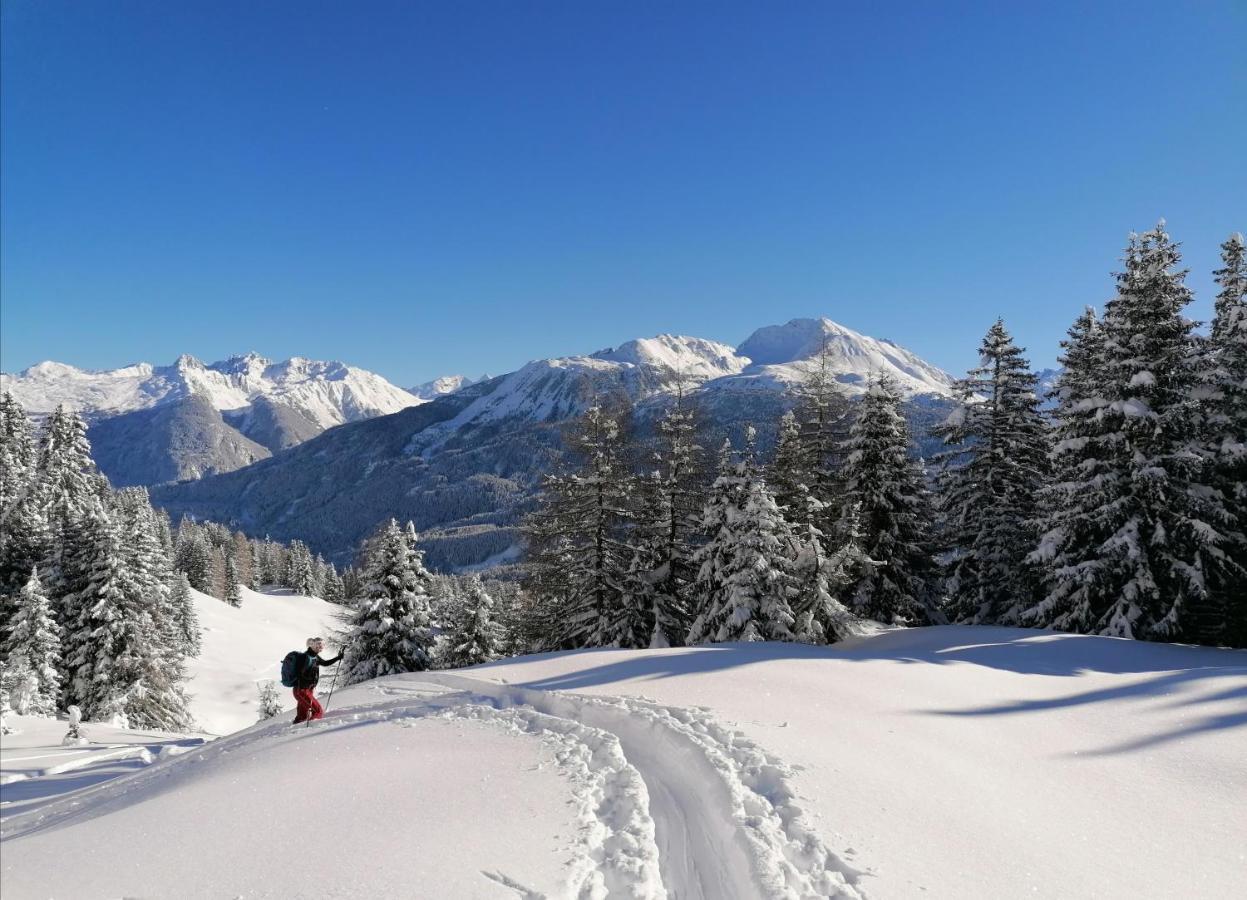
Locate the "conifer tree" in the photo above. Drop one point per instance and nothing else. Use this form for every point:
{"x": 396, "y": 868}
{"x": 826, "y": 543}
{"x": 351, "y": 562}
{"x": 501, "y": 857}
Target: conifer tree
{"x": 17, "y": 452}
{"x": 233, "y": 587}
{"x": 119, "y": 670}
{"x": 989, "y": 485}
{"x": 69, "y": 488}
{"x": 33, "y": 646}
{"x": 193, "y": 555}
{"x": 390, "y": 628}
{"x": 185, "y": 618}
{"x": 746, "y": 577}
{"x": 576, "y": 537}
{"x": 886, "y": 490}
{"x": 270, "y": 701}
{"x": 477, "y": 637}
{"x": 657, "y": 597}
{"x": 1222, "y": 617}
{"x": 1132, "y": 537}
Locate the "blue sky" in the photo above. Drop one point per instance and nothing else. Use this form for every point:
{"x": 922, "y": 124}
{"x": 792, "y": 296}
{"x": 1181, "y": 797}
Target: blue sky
{"x": 460, "y": 187}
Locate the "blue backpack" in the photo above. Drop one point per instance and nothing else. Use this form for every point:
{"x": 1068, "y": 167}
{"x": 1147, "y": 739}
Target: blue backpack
{"x": 290, "y": 669}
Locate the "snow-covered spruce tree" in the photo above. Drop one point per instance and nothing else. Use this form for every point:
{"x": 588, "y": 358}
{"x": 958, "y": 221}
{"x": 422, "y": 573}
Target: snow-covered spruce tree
{"x": 669, "y": 495}
{"x": 34, "y": 643}
{"x": 888, "y": 494}
{"x": 270, "y": 701}
{"x": 1222, "y": 618}
{"x": 23, "y": 531}
{"x": 300, "y": 574}
{"x": 233, "y": 586}
{"x": 1132, "y": 537}
{"x": 185, "y": 618}
{"x": 389, "y": 629}
{"x": 193, "y": 555}
{"x": 989, "y": 485}
{"x": 790, "y": 475}
{"x": 17, "y": 452}
{"x": 745, "y": 578}
{"x": 807, "y": 483}
{"x": 68, "y": 486}
{"x": 6, "y": 710}
{"x": 113, "y": 646}
{"x": 476, "y": 637}
{"x": 820, "y": 579}
{"x": 256, "y": 580}
{"x": 578, "y": 554}
{"x": 334, "y": 591}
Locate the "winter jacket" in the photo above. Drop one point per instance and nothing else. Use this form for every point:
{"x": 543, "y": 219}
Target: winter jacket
{"x": 307, "y": 668}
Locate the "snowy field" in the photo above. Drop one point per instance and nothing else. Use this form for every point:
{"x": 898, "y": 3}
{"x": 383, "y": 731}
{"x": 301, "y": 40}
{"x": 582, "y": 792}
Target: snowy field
{"x": 243, "y": 646}
{"x": 939, "y": 762}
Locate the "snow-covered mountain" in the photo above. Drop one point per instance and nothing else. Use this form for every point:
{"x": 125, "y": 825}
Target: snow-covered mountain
{"x": 323, "y": 393}
{"x": 927, "y": 762}
{"x": 151, "y": 424}
{"x": 772, "y": 359}
{"x": 440, "y": 387}
{"x": 781, "y": 356}
{"x": 552, "y": 390}
{"x": 464, "y": 466}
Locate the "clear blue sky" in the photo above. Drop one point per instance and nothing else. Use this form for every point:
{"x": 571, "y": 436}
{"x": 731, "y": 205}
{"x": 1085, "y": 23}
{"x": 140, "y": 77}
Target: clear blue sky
{"x": 424, "y": 188}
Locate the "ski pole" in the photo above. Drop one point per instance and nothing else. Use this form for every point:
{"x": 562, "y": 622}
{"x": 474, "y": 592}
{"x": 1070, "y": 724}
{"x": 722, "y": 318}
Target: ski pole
{"x": 334, "y": 681}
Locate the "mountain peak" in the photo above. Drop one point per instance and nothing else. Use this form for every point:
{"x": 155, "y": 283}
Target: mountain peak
{"x": 786, "y": 352}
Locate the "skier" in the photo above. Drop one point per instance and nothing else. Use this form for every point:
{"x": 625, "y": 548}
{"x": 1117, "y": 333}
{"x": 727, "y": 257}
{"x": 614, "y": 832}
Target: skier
{"x": 306, "y": 676}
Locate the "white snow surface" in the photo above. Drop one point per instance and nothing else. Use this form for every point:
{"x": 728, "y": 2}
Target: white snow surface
{"x": 327, "y": 393}
{"x": 243, "y": 646}
{"x": 937, "y": 762}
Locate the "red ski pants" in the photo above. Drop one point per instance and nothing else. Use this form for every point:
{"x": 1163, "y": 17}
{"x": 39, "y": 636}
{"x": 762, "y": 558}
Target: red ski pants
{"x": 309, "y": 706}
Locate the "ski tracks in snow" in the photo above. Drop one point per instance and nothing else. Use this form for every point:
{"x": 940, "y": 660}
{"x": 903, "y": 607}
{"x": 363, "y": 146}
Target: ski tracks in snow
{"x": 672, "y": 803}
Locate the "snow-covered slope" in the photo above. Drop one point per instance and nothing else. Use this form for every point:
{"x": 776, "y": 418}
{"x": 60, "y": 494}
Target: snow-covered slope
{"x": 243, "y": 646}
{"x": 551, "y": 390}
{"x": 943, "y": 762}
{"x": 326, "y": 393}
{"x": 782, "y": 355}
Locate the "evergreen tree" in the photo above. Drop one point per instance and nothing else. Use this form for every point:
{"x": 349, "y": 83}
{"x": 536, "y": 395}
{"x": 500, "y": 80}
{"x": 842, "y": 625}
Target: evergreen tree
{"x": 33, "y": 647}
{"x": 270, "y": 701}
{"x": 886, "y": 490}
{"x": 745, "y": 578}
{"x": 477, "y": 636}
{"x": 819, "y": 581}
{"x": 120, "y": 671}
{"x": 989, "y": 485}
{"x": 390, "y": 628}
{"x": 186, "y": 619}
{"x": 670, "y": 497}
{"x": 256, "y": 570}
{"x": 300, "y": 574}
{"x": 577, "y": 536}
{"x": 1222, "y": 617}
{"x": 1131, "y": 536}
{"x": 233, "y": 587}
{"x": 69, "y": 488}
{"x": 790, "y": 474}
{"x": 193, "y": 555}
{"x": 334, "y": 591}
{"x": 17, "y": 452}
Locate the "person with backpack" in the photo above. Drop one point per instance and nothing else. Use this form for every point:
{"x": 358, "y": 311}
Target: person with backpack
{"x": 301, "y": 671}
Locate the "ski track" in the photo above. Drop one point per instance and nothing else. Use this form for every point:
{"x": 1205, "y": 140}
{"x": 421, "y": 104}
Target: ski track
{"x": 670, "y": 802}
{"x": 725, "y": 819}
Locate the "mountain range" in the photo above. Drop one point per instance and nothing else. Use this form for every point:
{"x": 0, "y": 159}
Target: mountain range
{"x": 152, "y": 424}
{"x": 323, "y": 451}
